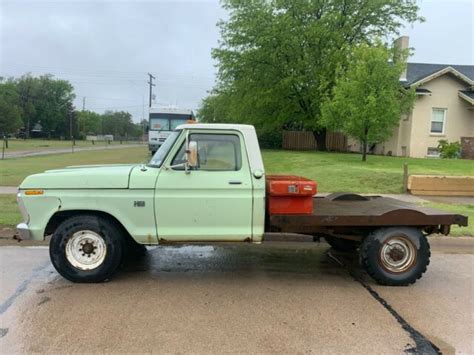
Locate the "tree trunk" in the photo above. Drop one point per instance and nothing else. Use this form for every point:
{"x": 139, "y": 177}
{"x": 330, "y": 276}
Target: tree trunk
{"x": 364, "y": 145}
{"x": 320, "y": 137}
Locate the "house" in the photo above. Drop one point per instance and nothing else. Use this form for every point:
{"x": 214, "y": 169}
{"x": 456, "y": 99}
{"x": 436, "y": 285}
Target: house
{"x": 444, "y": 109}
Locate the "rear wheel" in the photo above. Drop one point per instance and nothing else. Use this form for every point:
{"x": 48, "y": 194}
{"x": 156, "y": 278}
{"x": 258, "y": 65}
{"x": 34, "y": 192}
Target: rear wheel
{"x": 86, "y": 248}
{"x": 342, "y": 244}
{"x": 395, "y": 256}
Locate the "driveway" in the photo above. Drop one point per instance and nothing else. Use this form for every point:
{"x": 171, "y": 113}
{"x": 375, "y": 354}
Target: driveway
{"x": 275, "y": 297}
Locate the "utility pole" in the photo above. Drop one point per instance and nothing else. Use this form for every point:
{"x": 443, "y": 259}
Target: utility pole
{"x": 83, "y": 103}
{"x": 150, "y": 83}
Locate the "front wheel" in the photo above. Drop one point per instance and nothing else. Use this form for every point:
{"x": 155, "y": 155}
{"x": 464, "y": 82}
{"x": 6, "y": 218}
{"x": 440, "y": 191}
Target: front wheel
{"x": 86, "y": 248}
{"x": 396, "y": 256}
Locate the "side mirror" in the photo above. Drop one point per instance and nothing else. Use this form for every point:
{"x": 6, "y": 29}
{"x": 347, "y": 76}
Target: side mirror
{"x": 192, "y": 154}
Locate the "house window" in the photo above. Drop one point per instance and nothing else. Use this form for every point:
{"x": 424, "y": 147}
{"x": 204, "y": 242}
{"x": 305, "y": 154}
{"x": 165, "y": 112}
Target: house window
{"x": 438, "y": 120}
{"x": 432, "y": 152}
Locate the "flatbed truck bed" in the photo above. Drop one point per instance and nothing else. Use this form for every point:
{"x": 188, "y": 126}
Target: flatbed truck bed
{"x": 349, "y": 214}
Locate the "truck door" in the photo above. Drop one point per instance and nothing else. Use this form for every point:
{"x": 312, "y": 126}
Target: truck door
{"x": 213, "y": 201}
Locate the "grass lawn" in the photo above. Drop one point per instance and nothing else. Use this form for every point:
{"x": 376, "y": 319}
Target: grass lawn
{"x": 332, "y": 171}
{"x": 13, "y": 171}
{"x": 10, "y": 215}
{"x": 15, "y": 145}
{"x": 346, "y": 172}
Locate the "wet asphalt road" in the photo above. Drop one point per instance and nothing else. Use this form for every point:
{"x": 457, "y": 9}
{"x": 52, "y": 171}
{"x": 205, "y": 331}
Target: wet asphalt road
{"x": 275, "y": 297}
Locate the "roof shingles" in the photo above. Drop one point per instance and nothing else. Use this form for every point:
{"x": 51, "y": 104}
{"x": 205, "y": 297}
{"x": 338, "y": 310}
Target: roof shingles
{"x": 419, "y": 71}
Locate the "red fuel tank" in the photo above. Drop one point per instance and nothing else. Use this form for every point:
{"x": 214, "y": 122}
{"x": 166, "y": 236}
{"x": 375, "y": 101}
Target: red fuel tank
{"x": 288, "y": 194}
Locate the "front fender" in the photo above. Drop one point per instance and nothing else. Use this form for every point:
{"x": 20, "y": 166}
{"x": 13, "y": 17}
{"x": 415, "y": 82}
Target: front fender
{"x": 38, "y": 210}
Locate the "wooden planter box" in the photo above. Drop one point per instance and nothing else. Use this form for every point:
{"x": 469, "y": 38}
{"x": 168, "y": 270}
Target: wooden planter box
{"x": 439, "y": 185}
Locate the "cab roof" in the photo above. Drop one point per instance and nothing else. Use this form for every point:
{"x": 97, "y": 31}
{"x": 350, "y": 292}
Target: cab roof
{"x": 222, "y": 126}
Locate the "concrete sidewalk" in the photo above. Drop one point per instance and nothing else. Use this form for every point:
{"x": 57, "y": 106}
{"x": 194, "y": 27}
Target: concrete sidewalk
{"x": 8, "y": 190}
{"x": 32, "y": 153}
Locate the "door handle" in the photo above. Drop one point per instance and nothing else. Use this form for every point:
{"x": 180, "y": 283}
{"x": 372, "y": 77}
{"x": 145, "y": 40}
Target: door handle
{"x": 235, "y": 182}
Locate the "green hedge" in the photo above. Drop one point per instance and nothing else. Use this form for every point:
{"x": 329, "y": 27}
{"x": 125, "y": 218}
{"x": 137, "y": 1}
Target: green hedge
{"x": 270, "y": 139}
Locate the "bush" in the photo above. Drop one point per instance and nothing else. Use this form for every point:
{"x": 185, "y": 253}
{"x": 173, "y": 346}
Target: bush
{"x": 270, "y": 139}
{"x": 449, "y": 150}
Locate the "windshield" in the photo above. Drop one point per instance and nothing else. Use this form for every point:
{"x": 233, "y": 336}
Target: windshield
{"x": 162, "y": 152}
{"x": 159, "y": 124}
{"x": 167, "y": 121}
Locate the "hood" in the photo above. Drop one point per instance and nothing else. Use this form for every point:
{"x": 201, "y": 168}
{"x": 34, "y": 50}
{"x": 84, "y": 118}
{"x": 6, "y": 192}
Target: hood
{"x": 81, "y": 177}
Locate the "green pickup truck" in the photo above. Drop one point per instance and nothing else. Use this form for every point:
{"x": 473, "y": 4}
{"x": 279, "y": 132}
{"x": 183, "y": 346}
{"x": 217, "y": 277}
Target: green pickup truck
{"x": 206, "y": 183}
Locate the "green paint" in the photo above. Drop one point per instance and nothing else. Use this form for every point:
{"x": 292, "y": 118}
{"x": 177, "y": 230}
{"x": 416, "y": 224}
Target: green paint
{"x": 157, "y": 203}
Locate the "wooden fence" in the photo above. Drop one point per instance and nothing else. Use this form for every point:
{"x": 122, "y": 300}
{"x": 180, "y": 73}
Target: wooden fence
{"x": 300, "y": 140}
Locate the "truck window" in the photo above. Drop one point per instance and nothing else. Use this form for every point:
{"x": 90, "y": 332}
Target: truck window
{"x": 161, "y": 154}
{"x": 216, "y": 152}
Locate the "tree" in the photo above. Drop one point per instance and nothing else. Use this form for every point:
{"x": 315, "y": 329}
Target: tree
{"x": 45, "y": 100}
{"x": 89, "y": 122}
{"x": 10, "y": 111}
{"x": 278, "y": 59}
{"x": 120, "y": 124}
{"x": 368, "y": 99}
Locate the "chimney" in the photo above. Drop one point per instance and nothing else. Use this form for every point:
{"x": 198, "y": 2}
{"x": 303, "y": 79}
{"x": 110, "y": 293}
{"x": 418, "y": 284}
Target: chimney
{"x": 401, "y": 44}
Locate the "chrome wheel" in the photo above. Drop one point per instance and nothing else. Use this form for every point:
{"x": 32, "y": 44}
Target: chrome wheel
{"x": 86, "y": 250}
{"x": 397, "y": 254}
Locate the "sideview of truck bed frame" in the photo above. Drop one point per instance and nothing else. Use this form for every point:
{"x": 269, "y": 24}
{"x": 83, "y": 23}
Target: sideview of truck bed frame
{"x": 344, "y": 215}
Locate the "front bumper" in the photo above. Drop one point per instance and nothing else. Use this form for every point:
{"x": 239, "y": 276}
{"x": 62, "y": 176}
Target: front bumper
{"x": 24, "y": 231}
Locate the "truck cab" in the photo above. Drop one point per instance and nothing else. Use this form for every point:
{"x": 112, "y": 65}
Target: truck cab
{"x": 219, "y": 194}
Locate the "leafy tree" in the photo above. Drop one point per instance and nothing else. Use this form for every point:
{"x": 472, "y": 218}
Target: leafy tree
{"x": 10, "y": 111}
{"x": 368, "y": 99}
{"x": 118, "y": 123}
{"x": 46, "y": 100}
{"x": 89, "y": 122}
{"x": 54, "y": 105}
{"x": 278, "y": 59}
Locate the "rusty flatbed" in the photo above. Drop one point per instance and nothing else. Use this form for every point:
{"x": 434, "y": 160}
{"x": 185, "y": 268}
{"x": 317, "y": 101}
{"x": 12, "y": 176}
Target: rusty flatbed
{"x": 333, "y": 214}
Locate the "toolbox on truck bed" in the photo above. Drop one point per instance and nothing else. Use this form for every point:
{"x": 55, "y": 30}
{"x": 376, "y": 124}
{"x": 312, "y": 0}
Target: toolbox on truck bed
{"x": 288, "y": 194}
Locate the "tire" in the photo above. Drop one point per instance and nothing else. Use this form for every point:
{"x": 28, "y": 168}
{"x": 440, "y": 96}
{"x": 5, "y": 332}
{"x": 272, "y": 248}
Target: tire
{"x": 396, "y": 256}
{"x": 87, "y": 249}
{"x": 133, "y": 250}
{"x": 342, "y": 244}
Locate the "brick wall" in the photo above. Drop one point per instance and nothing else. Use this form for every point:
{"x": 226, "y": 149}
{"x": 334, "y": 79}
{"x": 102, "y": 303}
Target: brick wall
{"x": 467, "y": 147}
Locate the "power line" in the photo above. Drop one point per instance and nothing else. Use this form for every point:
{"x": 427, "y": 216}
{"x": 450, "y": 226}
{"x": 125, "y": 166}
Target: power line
{"x": 114, "y": 107}
{"x": 103, "y": 72}
{"x": 108, "y": 98}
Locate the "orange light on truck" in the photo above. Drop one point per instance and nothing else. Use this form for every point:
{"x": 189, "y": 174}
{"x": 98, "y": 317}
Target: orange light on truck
{"x": 34, "y": 192}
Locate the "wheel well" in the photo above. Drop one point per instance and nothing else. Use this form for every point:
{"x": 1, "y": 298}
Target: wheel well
{"x": 61, "y": 216}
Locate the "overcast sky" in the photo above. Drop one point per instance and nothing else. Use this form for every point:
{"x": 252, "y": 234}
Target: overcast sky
{"x": 106, "y": 48}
